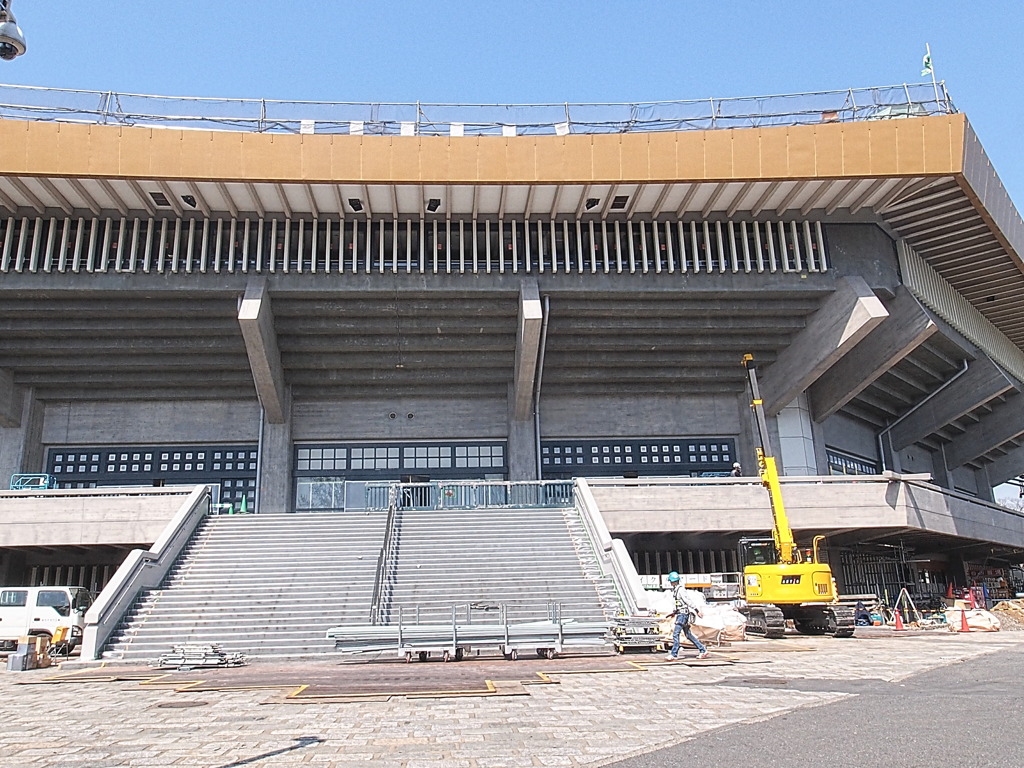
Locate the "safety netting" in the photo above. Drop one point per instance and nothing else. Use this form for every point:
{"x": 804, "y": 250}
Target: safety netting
{"x": 432, "y": 119}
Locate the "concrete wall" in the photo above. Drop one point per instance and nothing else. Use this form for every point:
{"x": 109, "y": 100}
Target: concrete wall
{"x": 697, "y": 415}
{"x": 87, "y": 517}
{"x": 141, "y": 423}
{"x": 470, "y": 418}
{"x": 916, "y": 459}
{"x": 864, "y": 250}
{"x": 850, "y": 436}
{"x": 965, "y": 480}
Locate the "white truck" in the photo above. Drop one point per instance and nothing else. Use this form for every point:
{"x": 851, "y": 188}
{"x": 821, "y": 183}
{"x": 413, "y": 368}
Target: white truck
{"x": 42, "y": 611}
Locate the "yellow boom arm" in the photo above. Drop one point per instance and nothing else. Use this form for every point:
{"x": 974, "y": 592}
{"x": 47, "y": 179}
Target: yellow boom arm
{"x": 769, "y": 473}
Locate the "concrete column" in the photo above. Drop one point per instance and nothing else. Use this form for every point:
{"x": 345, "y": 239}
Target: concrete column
{"x": 986, "y": 490}
{"x": 274, "y": 469}
{"x": 796, "y": 439}
{"x": 940, "y": 474}
{"x": 745, "y": 453}
{"x": 21, "y": 446}
{"x": 522, "y": 450}
{"x": 11, "y": 397}
{"x": 522, "y": 443}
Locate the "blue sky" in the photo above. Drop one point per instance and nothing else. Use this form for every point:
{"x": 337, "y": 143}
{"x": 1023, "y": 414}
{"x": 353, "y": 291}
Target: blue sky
{"x": 532, "y": 51}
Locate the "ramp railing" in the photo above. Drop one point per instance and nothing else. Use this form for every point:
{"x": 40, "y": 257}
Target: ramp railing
{"x": 611, "y": 553}
{"x": 142, "y": 569}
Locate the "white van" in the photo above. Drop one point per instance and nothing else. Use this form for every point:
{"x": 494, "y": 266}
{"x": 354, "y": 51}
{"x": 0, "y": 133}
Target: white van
{"x": 40, "y": 611}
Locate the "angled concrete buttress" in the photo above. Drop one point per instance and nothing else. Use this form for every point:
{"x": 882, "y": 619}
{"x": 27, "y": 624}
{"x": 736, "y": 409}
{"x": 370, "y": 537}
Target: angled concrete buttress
{"x": 907, "y": 327}
{"x": 1006, "y": 467}
{"x": 982, "y": 381}
{"x": 257, "y": 323}
{"x": 522, "y": 432}
{"x": 846, "y": 317}
{"x": 1005, "y": 422}
{"x": 531, "y": 316}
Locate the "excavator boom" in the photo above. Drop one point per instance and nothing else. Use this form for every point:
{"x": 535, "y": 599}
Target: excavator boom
{"x": 769, "y": 472}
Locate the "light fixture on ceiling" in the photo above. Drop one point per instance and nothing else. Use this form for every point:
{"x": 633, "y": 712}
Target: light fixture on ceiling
{"x": 592, "y": 202}
{"x": 189, "y": 200}
{"x": 356, "y": 204}
{"x": 433, "y": 204}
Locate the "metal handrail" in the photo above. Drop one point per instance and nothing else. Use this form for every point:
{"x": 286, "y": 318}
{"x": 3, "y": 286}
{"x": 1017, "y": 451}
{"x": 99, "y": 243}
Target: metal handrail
{"x": 432, "y": 119}
{"x": 384, "y": 558}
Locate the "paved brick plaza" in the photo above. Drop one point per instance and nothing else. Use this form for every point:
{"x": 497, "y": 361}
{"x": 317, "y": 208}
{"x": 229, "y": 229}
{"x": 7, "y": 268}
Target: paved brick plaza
{"x": 579, "y": 718}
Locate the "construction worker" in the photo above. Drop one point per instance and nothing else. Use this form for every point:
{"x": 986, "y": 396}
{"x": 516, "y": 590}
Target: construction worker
{"x": 686, "y": 607}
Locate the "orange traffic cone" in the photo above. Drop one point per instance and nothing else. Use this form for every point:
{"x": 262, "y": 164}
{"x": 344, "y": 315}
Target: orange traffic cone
{"x": 964, "y": 626}
{"x": 949, "y": 591}
{"x": 899, "y": 622}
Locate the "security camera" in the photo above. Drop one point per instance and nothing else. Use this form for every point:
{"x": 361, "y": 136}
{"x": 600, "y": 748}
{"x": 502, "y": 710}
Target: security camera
{"x": 12, "y": 41}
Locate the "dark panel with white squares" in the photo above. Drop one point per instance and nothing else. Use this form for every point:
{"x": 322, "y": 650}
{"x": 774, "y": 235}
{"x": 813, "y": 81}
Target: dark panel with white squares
{"x": 232, "y": 467}
{"x": 692, "y": 457}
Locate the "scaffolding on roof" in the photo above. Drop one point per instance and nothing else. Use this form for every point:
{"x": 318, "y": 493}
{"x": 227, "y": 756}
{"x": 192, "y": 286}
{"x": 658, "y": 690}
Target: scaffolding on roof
{"x": 434, "y": 119}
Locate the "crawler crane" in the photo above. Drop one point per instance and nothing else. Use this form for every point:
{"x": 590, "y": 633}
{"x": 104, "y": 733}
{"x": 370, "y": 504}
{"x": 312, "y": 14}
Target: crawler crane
{"x": 780, "y": 580}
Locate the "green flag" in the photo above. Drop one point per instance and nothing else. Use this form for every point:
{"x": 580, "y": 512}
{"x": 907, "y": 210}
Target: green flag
{"x": 926, "y": 65}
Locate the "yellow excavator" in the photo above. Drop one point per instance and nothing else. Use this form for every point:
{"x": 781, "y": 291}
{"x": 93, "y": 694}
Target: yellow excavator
{"x": 780, "y": 580}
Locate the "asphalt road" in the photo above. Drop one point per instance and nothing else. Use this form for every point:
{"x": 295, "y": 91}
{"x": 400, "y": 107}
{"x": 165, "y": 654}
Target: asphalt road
{"x": 967, "y": 715}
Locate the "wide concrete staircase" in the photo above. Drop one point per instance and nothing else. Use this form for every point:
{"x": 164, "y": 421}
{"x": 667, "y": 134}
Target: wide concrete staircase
{"x": 267, "y": 585}
{"x": 528, "y": 561}
{"x": 259, "y": 584}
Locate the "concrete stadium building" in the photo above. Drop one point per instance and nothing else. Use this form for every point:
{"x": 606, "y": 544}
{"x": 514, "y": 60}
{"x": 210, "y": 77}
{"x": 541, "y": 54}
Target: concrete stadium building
{"x": 289, "y": 301}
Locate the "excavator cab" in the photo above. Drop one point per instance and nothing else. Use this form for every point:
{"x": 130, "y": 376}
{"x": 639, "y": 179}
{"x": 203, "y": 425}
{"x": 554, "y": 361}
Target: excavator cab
{"x": 758, "y": 552}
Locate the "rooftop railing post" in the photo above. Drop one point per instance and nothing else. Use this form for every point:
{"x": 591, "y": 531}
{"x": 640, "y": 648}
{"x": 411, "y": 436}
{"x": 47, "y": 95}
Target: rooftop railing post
{"x": 105, "y": 106}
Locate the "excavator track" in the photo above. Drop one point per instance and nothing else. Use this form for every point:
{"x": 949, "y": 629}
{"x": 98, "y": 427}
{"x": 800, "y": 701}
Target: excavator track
{"x": 836, "y": 620}
{"x": 845, "y": 620}
{"x": 765, "y": 621}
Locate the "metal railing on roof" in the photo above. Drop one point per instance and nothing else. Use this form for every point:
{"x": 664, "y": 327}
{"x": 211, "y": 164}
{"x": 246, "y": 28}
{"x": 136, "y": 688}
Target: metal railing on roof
{"x": 434, "y": 119}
